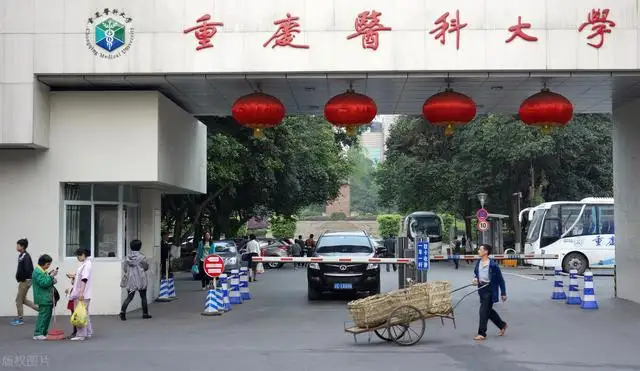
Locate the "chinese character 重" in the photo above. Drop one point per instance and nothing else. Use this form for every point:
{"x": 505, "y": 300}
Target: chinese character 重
{"x": 448, "y": 26}
{"x": 518, "y": 31}
{"x": 598, "y": 241}
{"x": 600, "y": 24}
{"x": 367, "y": 25}
{"x": 204, "y": 31}
{"x": 287, "y": 29}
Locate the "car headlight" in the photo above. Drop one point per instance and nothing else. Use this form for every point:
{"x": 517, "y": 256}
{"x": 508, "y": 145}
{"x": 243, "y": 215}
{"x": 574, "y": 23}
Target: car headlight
{"x": 314, "y": 266}
{"x": 231, "y": 261}
{"x": 372, "y": 266}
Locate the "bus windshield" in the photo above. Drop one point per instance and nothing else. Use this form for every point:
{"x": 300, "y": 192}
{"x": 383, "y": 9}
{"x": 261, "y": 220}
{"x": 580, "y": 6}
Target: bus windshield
{"x": 535, "y": 225}
{"x": 428, "y": 226}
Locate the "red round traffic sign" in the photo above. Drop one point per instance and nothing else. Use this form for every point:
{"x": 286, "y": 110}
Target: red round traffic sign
{"x": 483, "y": 225}
{"x": 213, "y": 265}
{"x": 482, "y": 214}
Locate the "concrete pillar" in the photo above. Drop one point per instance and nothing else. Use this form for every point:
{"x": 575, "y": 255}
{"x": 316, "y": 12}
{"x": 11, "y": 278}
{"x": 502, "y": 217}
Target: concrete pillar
{"x": 626, "y": 178}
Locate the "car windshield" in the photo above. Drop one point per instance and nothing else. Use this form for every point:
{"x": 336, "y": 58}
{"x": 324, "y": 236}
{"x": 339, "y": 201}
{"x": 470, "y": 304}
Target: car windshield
{"x": 344, "y": 245}
{"x": 225, "y": 247}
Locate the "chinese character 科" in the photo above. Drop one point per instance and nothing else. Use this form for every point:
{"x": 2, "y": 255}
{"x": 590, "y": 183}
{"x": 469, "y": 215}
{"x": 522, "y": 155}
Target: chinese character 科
{"x": 368, "y": 26}
{"x": 598, "y": 240}
{"x": 599, "y": 23}
{"x": 445, "y": 26}
{"x": 517, "y": 31}
{"x": 205, "y": 31}
{"x": 612, "y": 241}
{"x": 284, "y": 35}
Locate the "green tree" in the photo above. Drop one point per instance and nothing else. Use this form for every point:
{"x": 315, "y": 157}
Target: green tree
{"x": 389, "y": 225}
{"x": 364, "y": 188}
{"x": 283, "y": 226}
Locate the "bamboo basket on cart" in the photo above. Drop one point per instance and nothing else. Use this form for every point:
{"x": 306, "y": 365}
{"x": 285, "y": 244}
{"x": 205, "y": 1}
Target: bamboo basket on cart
{"x": 431, "y": 298}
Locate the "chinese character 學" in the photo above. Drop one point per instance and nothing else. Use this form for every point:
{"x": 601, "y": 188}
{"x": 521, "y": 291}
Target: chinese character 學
{"x": 205, "y": 31}
{"x": 445, "y": 26}
{"x": 287, "y": 29}
{"x": 517, "y": 31}
{"x": 600, "y": 25}
{"x": 368, "y": 26}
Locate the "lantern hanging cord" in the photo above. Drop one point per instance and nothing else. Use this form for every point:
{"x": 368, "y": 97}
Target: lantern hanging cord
{"x": 258, "y": 88}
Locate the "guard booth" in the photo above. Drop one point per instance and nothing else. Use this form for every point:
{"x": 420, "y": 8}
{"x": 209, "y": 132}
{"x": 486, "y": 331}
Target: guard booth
{"x": 494, "y": 235}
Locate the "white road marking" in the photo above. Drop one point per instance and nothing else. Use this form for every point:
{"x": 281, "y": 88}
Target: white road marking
{"x": 522, "y": 276}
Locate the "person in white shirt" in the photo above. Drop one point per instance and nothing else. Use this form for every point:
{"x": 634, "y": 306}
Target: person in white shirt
{"x": 253, "y": 249}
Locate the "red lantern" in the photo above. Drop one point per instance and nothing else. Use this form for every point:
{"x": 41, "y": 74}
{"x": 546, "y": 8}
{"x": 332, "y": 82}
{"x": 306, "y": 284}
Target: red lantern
{"x": 258, "y": 111}
{"x": 546, "y": 110}
{"x": 449, "y": 109}
{"x": 350, "y": 110}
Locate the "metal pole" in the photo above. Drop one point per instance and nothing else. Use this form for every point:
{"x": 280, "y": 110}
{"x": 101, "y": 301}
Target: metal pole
{"x": 615, "y": 282}
{"x": 544, "y": 268}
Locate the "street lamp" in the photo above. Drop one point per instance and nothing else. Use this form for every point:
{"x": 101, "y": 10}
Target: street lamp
{"x": 482, "y": 197}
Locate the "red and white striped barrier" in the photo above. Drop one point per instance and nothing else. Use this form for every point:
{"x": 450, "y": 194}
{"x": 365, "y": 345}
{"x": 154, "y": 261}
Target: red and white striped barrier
{"x": 276, "y": 259}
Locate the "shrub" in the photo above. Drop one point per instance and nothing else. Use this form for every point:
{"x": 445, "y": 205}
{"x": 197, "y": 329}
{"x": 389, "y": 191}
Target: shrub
{"x": 338, "y": 216}
{"x": 389, "y": 225}
{"x": 283, "y": 226}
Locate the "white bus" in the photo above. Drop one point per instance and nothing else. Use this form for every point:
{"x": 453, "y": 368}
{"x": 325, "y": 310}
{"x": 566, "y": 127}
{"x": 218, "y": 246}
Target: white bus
{"x": 581, "y": 233}
{"x": 422, "y": 224}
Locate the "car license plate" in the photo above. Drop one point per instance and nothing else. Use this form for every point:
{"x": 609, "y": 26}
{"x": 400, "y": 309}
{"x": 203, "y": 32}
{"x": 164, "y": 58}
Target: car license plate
{"x": 342, "y": 286}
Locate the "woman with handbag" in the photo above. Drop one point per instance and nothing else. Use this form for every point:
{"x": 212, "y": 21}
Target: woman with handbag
{"x": 135, "y": 279}
{"x": 82, "y": 292}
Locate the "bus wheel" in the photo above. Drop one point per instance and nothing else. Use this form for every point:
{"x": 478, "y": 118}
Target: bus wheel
{"x": 576, "y": 261}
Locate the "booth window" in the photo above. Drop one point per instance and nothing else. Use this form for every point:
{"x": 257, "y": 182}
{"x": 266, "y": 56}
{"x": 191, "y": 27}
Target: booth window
{"x": 101, "y": 217}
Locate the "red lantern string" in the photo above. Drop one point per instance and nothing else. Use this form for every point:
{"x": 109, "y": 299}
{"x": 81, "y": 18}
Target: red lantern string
{"x": 258, "y": 111}
{"x": 546, "y": 110}
{"x": 449, "y": 109}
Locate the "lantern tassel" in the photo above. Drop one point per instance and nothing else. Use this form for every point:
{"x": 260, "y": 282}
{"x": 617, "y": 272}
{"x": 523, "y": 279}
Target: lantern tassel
{"x": 546, "y": 130}
{"x": 448, "y": 131}
{"x": 258, "y": 133}
{"x": 351, "y": 131}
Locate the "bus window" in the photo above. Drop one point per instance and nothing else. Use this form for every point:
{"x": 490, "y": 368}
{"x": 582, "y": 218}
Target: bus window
{"x": 550, "y": 232}
{"x": 535, "y": 225}
{"x": 586, "y": 226}
{"x": 606, "y": 225}
{"x": 569, "y": 214}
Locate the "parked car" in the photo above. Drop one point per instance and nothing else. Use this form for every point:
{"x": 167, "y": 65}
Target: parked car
{"x": 229, "y": 253}
{"x": 277, "y": 249}
{"x": 353, "y": 278}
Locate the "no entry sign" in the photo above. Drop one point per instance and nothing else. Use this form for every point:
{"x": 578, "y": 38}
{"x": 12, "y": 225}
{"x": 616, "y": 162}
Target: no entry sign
{"x": 213, "y": 266}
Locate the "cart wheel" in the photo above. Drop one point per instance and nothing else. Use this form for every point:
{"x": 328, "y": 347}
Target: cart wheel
{"x": 406, "y": 325}
{"x": 383, "y": 334}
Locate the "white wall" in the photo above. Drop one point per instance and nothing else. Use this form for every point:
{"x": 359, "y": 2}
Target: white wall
{"x": 626, "y": 177}
{"x": 94, "y": 137}
{"x": 181, "y": 141}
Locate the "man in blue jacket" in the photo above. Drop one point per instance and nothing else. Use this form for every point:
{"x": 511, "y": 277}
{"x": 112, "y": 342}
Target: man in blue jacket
{"x": 489, "y": 277}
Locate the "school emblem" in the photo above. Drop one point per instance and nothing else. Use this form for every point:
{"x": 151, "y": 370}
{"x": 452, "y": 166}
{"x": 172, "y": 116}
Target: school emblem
{"x": 109, "y": 33}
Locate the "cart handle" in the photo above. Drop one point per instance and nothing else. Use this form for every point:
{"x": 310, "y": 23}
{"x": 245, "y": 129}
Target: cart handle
{"x": 467, "y": 294}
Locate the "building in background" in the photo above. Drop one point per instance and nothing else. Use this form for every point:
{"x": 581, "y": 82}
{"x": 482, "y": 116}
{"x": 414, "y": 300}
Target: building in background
{"x": 342, "y": 204}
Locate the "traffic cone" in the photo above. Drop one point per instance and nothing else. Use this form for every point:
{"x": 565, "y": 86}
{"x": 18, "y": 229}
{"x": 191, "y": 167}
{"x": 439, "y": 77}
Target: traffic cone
{"x": 574, "y": 296}
{"x": 172, "y": 288}
{"x": 234, "y": 293}
{"x": 589, "y": 296}
{"x": 244, "y": 284}
{"x": 211, "y": 307}
{"x": 224, "y": 287}
{"x": 164, "y": 291}
{"x": 558, "y": 285}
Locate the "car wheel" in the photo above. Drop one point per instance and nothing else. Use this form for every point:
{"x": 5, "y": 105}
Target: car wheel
{"x": 576, "y": 261}
{"x": 312, "y": 294}
{"x": 274, "y": 265}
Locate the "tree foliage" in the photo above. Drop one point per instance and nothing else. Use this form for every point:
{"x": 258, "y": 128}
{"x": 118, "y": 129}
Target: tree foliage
{"x": 283, "y": 226}
{"x": 364, "y": 188}
{"x": 299, "y": 163}
{"x": 497, "y": 155}
{"x": 389, "y": 225}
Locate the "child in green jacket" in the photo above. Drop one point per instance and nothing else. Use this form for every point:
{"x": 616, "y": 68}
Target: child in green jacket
{"x": 43, "y": 295}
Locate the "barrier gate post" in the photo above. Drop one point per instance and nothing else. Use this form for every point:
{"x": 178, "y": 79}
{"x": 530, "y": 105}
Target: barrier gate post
{"x": 402, "y": 244}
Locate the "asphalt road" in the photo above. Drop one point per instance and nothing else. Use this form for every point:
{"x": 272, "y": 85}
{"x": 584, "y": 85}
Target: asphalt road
{"x": 280, "y": 330}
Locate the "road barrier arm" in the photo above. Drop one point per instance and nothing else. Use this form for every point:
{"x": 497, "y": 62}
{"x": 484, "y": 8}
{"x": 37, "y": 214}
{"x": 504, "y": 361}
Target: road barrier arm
{"x": 277, "y": 259}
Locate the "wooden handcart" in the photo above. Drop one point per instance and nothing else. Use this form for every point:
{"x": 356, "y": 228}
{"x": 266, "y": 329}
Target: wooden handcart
{"x": 405, "y": 324}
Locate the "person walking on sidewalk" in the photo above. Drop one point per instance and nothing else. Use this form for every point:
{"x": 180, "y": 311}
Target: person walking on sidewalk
{"x": 43, "y": 296}
{"x": 488, "y": 277}
{"x": 23, "y": 276}
{"x": 135, "y": 279}
{"x": 253, "y": 249}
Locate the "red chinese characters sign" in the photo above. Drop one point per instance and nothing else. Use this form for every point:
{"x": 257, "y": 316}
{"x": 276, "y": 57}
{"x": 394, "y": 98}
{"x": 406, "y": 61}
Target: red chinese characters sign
{"x": 204, "y": 31}
{"x": 518, "y": 31}
{"x": 368, "y": 26}
{"x": 446, "y": 25}
{"x": 600, "y": 24}
{"x": 288, "y": 27}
